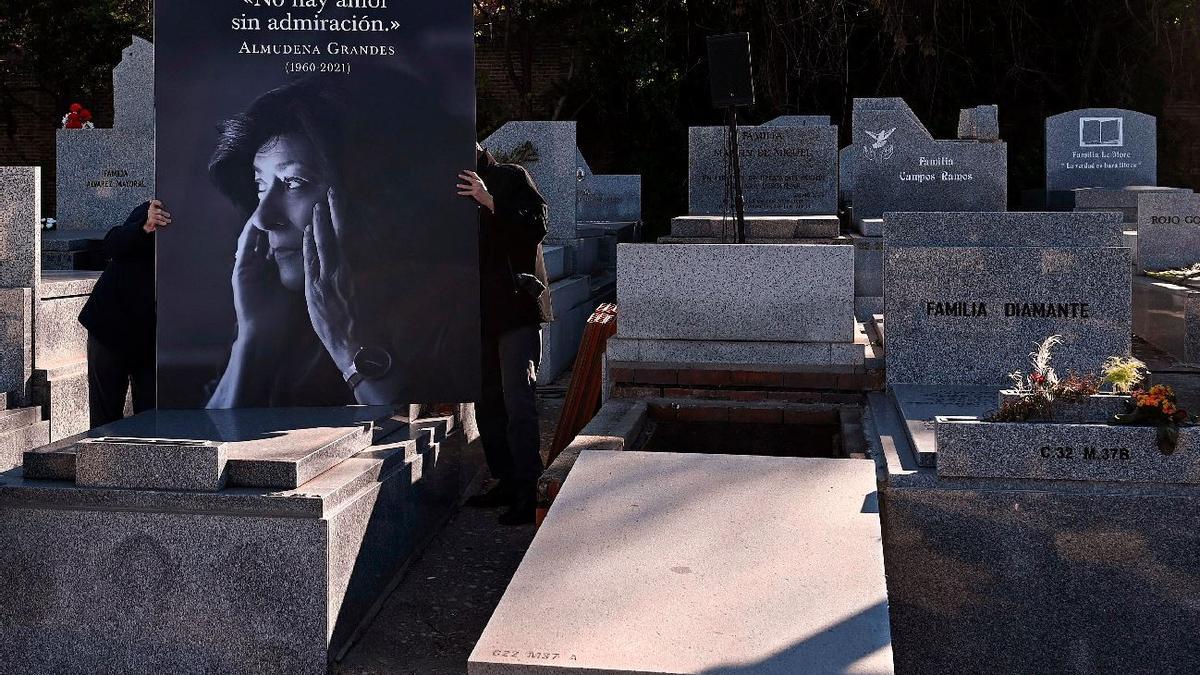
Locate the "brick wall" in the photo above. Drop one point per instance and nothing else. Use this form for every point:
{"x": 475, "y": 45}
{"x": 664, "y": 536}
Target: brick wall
{"x": 1179, "y": 131}
{"x": 27, "y": 127}
{"x": 499, "y": 97}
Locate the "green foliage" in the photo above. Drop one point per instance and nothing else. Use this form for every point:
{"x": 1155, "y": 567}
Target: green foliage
{"x": 524, "y": 154}
{"x": 1123, "y": 374}
{"x": 70, "y": 46}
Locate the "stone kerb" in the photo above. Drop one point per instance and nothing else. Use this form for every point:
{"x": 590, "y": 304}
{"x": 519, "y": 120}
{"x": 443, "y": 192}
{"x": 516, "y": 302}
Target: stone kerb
{"x": 968, "y": 295}
{"x": 969, "y": 448}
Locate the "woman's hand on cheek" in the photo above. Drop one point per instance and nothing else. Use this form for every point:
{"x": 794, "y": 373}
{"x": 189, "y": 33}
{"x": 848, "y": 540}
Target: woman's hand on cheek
{"x": 260, "y": 300}
{"x": 327, "y": 282}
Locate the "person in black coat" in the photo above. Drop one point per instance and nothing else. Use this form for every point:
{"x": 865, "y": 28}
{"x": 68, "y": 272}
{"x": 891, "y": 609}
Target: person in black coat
{"x": 515, "y": 302}
{"x": 120, "y": 318}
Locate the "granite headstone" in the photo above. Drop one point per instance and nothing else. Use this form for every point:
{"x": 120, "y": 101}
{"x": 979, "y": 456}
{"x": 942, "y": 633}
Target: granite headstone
{"x": 786, "y": 170}
{"x": 616, "y": 199}
{"x": 1168, "y": 231}
{"x": 968, "y": 296}
{"x": 909, "y": 170}
{"x": 548, "y": 151}
{"x": 103, "y": 174}
{"x": 1101, "y": 148}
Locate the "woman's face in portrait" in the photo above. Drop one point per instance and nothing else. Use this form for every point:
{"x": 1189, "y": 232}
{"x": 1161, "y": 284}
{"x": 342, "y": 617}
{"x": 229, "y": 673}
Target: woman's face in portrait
{"x": 290, "y": 183}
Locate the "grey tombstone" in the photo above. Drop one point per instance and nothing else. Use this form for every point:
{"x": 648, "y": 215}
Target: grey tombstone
{"x": 968, "y": 296}
{"x": 909, "y": 170}
{"x": 20, "y": 274}
{"x": 1101, "y": 148}
{"x": 785, "y": 170}
{"x": 1168, "y": 231}
{"x": 103, "y": 174}
{"x": 604, "y": 199}
{"x": 846, "y": 174}
{"x": 133, "y": 88}
{"x": 555, "y": 169}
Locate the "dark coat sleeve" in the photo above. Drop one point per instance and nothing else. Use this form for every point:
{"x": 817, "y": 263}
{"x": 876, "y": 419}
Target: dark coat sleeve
{"x": 130, "y": 240}
{"x": 520, "y": 208}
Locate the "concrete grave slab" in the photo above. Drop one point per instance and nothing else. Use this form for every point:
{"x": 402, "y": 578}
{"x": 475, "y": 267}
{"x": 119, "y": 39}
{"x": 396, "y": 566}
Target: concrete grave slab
{"x": 275, "y": 581}
{"x": 678, "y": 563}
{"x": 20, "y": 227}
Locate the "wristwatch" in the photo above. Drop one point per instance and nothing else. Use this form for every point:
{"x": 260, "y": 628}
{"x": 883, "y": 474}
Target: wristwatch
{"x": 370, "y": 363}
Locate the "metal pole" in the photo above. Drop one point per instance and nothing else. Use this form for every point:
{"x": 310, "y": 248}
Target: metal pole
{"x": 739, "y": 199}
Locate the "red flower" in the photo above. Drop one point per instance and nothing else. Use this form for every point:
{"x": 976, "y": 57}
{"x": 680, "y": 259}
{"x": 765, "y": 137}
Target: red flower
{"x": 86, "y": 115}
{"x": 73, "y": 121}
{"x": 75, "y": 107}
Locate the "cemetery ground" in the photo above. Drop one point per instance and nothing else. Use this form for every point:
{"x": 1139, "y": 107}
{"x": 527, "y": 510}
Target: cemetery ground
{"x": 430, "y": 623}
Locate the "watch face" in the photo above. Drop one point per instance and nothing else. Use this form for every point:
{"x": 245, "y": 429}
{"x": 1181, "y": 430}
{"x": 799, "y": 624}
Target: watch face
{"x": 373, "y": 362}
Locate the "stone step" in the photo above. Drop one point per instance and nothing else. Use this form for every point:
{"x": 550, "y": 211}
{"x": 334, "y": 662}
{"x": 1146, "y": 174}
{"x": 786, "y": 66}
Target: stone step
{"x": 11, "y": 420}
{"x": 61, "y": 339}
{"x": 16, "y": 442}
{"x": 839, "y": 241}
{"x": 570, "y": 293}
{"x": 62, "y": 390}
{"x": 758, "y": 227}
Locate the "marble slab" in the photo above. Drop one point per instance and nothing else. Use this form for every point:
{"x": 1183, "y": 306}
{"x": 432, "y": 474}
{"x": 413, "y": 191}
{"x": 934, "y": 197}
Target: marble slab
{"x": 682, "y": 563}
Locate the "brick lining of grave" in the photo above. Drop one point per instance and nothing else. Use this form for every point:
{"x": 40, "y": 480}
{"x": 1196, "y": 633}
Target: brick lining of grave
{"x": 744, "y": 385}
{"x": 777, "y": 422}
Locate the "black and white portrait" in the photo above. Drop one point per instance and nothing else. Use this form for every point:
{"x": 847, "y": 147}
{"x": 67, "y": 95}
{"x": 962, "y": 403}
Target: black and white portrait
{"x": 321, "y": 256}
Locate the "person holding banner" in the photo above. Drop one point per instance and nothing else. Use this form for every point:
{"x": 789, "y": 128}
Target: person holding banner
{"x": 515, "y": 302}
{"x": 120, "y": 318}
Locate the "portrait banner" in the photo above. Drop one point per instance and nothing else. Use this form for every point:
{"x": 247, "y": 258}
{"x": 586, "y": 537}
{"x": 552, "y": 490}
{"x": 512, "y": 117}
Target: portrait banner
{"x": 308, "y": 153}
